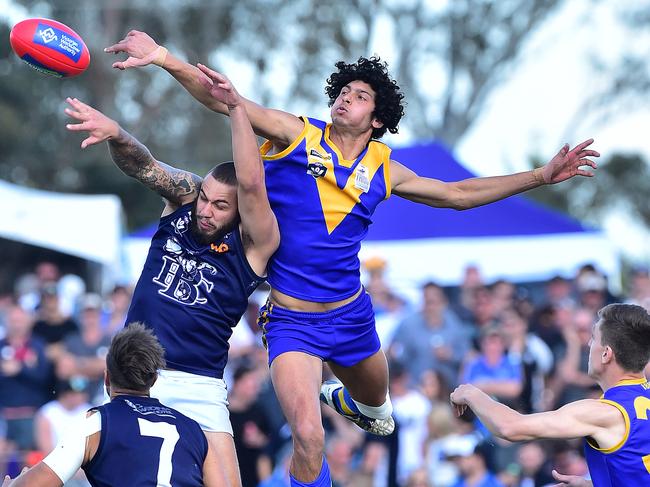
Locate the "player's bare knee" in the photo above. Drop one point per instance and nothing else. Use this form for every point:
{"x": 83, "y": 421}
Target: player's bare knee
{"x": 308, "y": 439}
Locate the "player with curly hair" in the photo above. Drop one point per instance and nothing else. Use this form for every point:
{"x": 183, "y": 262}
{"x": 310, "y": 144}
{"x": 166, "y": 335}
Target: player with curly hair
{"x": 388, "y": 98}
{"x": 324, "y": 181}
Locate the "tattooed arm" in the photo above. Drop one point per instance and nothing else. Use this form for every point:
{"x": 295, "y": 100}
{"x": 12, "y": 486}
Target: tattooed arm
{"x": 176, "y": 186}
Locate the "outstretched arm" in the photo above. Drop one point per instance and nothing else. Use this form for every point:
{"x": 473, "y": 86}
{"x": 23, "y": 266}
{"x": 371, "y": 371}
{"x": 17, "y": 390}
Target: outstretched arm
{"x": 585, "y": 418}
{"x": 280, "y": 127}
{"x": 474, "y": 192}
{"x": 257, "y": 219}
{"x": 176, "y": 186}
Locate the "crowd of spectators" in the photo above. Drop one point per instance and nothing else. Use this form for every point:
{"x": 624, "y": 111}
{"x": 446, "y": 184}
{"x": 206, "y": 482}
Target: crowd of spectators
{"x": 526, "y": 345}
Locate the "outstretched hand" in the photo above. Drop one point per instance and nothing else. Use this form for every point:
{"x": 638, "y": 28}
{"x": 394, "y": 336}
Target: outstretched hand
{"x": 218, "y": 86}
{"x": 570, "y": 480}
{"x": 567, "y": 163}
{"x": 140, "y": 47}
{"x": 458, "y": 398}
{"x": 98, "y": 125}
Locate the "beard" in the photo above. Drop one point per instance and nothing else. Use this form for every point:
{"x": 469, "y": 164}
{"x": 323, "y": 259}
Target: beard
{"x": 206, "y": 238}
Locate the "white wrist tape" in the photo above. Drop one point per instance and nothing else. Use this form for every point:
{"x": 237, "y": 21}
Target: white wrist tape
{"x": 161, "y": 55}
{"x": 68, "y": 455}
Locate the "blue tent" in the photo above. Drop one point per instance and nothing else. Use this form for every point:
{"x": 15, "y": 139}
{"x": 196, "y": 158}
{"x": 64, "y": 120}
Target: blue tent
{"x": 515, "y": 238}
{"x": 399, "y": 219}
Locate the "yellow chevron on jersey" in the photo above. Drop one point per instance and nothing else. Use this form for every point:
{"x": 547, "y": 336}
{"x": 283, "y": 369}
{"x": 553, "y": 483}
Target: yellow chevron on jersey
{"x": 336, "y": 202}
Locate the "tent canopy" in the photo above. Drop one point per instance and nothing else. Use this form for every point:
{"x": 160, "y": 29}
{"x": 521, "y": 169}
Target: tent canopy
{"x": 514, "y": 238}
{"x": 399, "y": 219}
{"x": 86, "y": 226}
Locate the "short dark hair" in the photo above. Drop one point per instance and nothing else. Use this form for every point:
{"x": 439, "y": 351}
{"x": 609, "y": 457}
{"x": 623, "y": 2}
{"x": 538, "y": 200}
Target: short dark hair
{"x": 626, "y": 329}
{"x": 224, "y": 172}
{"x": 389, "y": 109}
{"x": 134, "y": 357}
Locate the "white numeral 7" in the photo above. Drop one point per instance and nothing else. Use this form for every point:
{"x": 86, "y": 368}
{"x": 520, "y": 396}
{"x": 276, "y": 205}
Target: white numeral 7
{"x": 170, "y": 437}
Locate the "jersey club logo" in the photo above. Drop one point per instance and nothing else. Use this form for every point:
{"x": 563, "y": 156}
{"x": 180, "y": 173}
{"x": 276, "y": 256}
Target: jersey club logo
{"x": 183, "y": 278}
{"x": 315, "y": 167}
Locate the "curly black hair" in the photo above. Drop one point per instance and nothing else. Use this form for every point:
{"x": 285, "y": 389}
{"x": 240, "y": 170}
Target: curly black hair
{"x": 388, "y": 100}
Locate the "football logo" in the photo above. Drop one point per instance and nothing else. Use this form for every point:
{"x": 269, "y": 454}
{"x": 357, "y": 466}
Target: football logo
{"x": 316, "y": 169}
{"x": 47, "y": 35}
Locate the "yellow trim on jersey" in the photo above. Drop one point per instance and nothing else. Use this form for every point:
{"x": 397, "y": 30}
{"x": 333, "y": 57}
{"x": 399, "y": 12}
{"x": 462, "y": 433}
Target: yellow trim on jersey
{"x": 631, "y": 382}
{"x": 268, "y": 145}
{"x": 338, "y": 203}
{"x": 626, "y": 418}
{"x": 342, "y": 161}
{"x": 389, "y": 186}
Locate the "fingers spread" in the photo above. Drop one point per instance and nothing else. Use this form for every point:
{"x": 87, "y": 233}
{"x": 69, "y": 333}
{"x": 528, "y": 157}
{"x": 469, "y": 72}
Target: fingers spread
{"x": 115, "y": 48}
{"x": 582, "y": 145}
{"x": 81, "y": 106}
{"x": 589, "y": 153}
{"x": 74, "y": 114}
{"x": 586, "y": 162}
{"x": 89, "y": 141}
{"x": 77, "y": 127}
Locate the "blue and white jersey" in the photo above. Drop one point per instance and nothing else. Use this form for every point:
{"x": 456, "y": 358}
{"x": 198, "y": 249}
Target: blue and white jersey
{"x": 145, "y": 444}
{"x": 191, "y": 294}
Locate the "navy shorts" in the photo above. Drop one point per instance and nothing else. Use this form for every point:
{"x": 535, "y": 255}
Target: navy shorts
{"x": 345, "y": 335}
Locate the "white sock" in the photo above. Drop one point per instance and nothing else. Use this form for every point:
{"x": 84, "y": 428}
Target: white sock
{"x": 376, "y": 412}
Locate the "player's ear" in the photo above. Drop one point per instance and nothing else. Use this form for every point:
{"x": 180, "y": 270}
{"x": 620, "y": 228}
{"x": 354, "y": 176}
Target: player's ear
{"x": 107, "y": 383}
{"x": 376, "y": 123}
{"x": 608, "y": 355}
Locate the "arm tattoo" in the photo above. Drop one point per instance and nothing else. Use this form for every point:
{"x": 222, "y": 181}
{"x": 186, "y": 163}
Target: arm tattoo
{"x": 135, "y": 160}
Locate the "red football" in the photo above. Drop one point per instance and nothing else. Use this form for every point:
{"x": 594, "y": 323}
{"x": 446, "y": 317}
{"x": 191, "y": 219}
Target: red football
{"x": 50, "y": 47}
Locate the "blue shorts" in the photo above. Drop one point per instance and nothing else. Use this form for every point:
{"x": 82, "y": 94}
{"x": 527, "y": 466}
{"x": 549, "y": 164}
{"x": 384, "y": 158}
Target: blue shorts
{"x": 345, "y": 335}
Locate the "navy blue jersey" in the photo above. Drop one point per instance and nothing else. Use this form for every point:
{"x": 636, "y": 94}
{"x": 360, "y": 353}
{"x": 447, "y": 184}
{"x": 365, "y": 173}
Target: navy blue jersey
{"x": 143, "y": 443}
{"x": 191, "y": 295}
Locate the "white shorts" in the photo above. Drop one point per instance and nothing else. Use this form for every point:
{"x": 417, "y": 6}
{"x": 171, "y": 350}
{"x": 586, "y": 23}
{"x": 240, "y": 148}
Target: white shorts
{"x": 201, "y": 398}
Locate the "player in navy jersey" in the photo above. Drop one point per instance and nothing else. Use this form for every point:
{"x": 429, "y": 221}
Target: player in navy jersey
{"x": 324, "y": 182}
{"x": 616, "y": 427}
{"x": 208, "y": 255}
{"x": 133, "y": 440}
